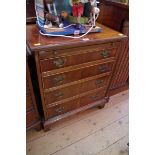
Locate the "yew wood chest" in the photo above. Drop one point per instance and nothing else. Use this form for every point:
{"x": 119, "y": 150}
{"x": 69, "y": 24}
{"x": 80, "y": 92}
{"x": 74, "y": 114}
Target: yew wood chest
{"x": 73, "y": 74}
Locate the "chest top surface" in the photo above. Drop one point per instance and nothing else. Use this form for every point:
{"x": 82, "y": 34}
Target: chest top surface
{"x": 36, "y": 41}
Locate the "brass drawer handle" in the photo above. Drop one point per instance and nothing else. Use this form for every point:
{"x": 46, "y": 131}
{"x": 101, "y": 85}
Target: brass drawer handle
{"x": 103, "y": 68}
{"x": 59, "y": 79}
{"x": 99, "y": 82}
{"x": 59, "y": 109}
{"x": 94, "y": 97}
{"x": 59, "y": 94}
{"x": 105, "y": 54}
{"x": 59, "y": 62}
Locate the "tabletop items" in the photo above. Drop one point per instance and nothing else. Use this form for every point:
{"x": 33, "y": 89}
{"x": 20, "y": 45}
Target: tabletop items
{"x": 67, "y": 17}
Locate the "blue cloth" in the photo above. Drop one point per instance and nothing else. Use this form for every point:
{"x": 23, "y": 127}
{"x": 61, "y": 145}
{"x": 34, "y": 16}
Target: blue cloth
{"x": 68, "y": 31}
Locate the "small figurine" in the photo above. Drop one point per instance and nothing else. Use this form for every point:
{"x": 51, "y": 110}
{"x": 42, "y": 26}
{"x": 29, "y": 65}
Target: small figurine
{"x": 91, "y": 10}
{"x": 77, "y": 10}
{"x": 50, "y": 18}
{"x": 72, "y": 19}
{"x": 85, "y": 8}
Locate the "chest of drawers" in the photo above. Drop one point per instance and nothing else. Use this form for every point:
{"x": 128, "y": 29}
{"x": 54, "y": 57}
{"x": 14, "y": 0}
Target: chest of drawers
{"x": 73, "y": 74}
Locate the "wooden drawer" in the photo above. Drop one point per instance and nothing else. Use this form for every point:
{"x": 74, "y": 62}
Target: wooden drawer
{"x": 30, "y": 118}
{"x": 97, "y": 69}
{"x": 94, "y": 84}
{"x": 61, "y": 94}
{"x": 28, "y": 103}
{"x": 53, "y": 53}
{"x": 62, "y": 108}
{"x": 59, "y": 79}
{"x": 69, "y": 91}
{"x": 75, "y": 59}
{"x": 70, "y": 76}
{"x": 92, "y": 97}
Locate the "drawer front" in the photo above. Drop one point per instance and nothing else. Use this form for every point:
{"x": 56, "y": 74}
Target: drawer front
{"x": 88, "y": 99}
{"x": 52, "y": 53}
{"x": 59, "y": 79}
{"x": 30, "y": 118}
{"x": 94, "y": 84}
{"x": 59, "y": 62}
{"x": 76, "y": 89}
{"x": 97, "y": 69}
{"x": 29, "y": 104}
{"x": 61, "y": 94}
{"x": 62, "y": 108}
